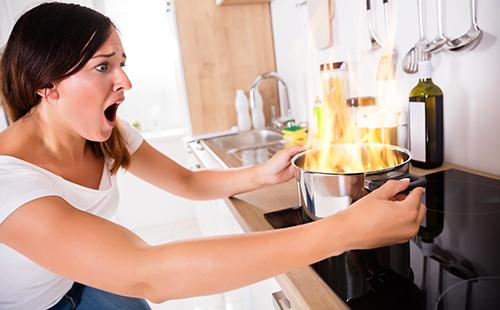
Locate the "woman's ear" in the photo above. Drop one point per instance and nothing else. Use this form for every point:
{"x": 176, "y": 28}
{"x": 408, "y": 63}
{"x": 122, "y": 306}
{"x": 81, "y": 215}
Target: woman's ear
{"x": 49, "y": 93}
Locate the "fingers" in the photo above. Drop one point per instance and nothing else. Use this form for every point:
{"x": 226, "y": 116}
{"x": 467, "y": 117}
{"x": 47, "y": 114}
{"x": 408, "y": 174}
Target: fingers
{"x": 413, "y": 198}
{"x": 391, "y": 188}
{"x": 296, "y": 149}
{"x": 421, "y": 213}
{"x": 414, "y": 209}
{"x": 399, "y": 197}
{"x": 290, "y": 152}
{"x": 417, "y": 220}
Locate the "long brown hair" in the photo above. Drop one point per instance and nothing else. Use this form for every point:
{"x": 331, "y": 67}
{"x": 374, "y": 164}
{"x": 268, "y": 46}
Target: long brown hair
{"x": 48, "y": 43}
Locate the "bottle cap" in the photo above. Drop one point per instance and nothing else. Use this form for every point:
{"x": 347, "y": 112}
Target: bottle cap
{"x": 424, "y": 69}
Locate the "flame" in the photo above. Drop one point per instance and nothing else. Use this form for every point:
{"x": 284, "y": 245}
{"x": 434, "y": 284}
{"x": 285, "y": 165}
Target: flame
{"x": 339, "y": 146}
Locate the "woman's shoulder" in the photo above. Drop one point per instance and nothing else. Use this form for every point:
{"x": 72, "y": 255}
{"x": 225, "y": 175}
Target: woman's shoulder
{"x": 16, "y": 170}
{"x": 11, "y": 141}
{"x": 3, "y": 141}
{"x": 14, "y": 158}
{"x": 22, "y": 182}
{"x": 20, "y": 179}
{"x": 17, "y": 142}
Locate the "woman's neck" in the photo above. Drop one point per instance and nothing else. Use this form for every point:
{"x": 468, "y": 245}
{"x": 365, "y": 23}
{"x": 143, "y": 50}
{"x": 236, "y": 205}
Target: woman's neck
{"x": 53, "y": 137}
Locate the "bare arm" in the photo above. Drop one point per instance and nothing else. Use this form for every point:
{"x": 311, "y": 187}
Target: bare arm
{"x": 104, "y": 255}
{"x": 154, "y": 167}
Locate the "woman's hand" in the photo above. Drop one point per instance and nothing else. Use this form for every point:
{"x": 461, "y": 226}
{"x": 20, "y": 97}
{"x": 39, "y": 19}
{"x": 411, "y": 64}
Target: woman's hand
{"x": 378, "y": 219}
{"x": 278, "y": 169}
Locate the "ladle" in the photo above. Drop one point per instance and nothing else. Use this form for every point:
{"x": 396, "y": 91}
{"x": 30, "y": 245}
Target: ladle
{"x": 472, "y": 37}
{"x": 441, "y": 41}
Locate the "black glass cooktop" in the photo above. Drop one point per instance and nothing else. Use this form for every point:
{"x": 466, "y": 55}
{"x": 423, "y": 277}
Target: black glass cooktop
{"x": 453, "y": 262}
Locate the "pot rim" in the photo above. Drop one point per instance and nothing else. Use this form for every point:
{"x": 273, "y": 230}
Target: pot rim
{"x": 370, "y": 172}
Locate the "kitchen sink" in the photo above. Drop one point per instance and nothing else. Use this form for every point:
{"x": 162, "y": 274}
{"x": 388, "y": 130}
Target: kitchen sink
{"x": 244, "y": 148}
{"x": 246, "y": 139}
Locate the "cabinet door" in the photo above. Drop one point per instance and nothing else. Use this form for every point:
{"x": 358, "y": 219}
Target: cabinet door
{"x": 215, "y": 218}
{"x": 224, "y": 49}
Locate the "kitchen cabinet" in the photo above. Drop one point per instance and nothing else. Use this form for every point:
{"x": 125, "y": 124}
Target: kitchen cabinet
{"x": 144, "y": 207}
{"x": 224, "y": 48}
{"x": 215, "y": 218}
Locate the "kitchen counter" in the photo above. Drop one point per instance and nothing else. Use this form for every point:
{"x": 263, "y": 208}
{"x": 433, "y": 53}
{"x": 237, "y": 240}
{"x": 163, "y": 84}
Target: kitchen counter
{"x": 302, "y": 286}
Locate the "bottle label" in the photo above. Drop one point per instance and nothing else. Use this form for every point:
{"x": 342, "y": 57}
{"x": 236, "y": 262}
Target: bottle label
{"x": 417, "y": 131}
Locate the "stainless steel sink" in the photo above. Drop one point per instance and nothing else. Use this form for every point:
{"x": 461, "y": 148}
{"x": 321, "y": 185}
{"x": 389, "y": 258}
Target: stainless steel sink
{"x": 245, "y": 139}
{"x": 245, "y": 148}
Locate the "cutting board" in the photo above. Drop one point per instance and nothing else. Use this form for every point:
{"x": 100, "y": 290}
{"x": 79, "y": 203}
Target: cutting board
{"x": 321, "y": 13}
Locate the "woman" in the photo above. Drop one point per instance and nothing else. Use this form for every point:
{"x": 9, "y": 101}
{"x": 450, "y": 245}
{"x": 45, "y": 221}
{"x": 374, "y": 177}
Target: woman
{"x": 62, "y": 82}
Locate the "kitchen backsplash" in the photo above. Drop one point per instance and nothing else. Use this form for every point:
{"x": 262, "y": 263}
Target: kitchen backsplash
{"x": 468, "y": 79}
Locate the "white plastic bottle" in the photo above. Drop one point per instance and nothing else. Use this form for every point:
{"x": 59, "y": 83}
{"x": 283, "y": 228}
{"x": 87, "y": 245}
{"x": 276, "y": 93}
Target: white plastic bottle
{"x": 242, "y": 111}
{"x": 258, "y": 120}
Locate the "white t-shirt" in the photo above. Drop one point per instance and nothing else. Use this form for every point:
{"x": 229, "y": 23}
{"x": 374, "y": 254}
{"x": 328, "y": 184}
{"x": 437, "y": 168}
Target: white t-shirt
{"x": 23, "y": 283}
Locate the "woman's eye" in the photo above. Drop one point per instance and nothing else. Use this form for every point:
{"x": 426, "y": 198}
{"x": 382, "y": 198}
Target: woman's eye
{"x": 102, "y": 67}
{"x": 123, "y": 64}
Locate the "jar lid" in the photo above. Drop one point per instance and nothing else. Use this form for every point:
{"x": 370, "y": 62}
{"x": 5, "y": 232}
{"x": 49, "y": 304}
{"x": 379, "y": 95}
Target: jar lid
{"x": 360, "y": 101}
{"x": 330, "y": 66}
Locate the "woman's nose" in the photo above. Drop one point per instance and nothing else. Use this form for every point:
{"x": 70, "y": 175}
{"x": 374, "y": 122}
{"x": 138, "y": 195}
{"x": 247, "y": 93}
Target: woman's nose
{"x": 122, "y": 81}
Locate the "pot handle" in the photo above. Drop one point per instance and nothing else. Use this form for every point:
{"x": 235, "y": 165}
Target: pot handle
{"x": 415, "y": 181}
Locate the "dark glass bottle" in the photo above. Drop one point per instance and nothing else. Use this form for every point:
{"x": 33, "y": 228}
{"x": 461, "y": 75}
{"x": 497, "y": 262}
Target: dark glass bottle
{"x": 426, "y": 120}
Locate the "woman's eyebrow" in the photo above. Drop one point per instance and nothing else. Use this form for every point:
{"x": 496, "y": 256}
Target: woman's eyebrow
{"x": 104, "y": 55}
{"x": 108, "y": 55}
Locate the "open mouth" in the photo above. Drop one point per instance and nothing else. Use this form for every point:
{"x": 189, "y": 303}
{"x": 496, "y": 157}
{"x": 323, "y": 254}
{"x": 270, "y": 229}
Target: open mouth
{"x": 110, "y": 112}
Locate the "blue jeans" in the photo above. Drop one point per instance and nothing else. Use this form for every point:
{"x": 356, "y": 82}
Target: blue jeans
{"x": 84, "y": 297}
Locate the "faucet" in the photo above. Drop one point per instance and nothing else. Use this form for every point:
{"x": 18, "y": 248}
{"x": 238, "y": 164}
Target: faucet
{"x": 285, "y": 119}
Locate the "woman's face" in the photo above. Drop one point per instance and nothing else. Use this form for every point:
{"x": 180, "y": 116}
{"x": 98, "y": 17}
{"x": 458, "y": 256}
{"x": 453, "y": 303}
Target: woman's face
{"x": 88, "y": 100}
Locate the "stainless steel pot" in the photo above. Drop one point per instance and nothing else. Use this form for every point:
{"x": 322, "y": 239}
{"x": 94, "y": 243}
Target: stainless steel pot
{"x": 325, "y": 193}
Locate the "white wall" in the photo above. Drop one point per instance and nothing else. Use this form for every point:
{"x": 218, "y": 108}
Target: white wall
{"x": 11, "y": 10}
{"x": 149, "y": 35}
{"x": 468, "y": 79}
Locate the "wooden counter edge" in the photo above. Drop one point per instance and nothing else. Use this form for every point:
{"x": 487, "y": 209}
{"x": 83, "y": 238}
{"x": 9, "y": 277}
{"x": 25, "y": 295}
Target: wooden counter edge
{"x": 447, "y": 166}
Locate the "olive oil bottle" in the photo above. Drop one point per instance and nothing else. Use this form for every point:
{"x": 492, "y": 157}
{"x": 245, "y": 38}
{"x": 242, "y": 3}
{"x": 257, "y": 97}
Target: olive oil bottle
{"x": 426, "y": 120}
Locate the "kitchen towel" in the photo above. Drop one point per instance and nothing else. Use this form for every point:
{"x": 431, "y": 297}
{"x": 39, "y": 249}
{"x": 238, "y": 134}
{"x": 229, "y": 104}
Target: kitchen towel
{"x": 321, "y": 14}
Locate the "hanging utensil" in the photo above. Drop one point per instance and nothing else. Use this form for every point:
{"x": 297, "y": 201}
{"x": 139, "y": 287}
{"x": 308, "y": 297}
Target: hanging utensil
{"x": 374, "y": 40}
{"x": 416, "y": 53}
{"x": 441, "y": 41}
{"x": 472, "y": 37}
{"x": 388, "y": 60}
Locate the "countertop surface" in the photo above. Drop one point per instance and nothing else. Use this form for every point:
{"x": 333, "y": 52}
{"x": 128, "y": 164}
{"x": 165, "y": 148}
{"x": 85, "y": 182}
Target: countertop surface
{"x": 302, "y": 286}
